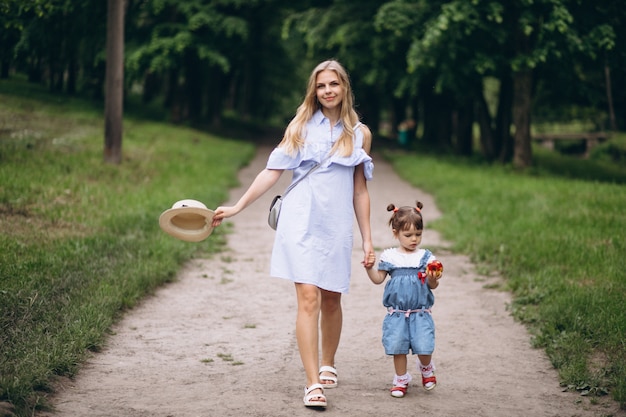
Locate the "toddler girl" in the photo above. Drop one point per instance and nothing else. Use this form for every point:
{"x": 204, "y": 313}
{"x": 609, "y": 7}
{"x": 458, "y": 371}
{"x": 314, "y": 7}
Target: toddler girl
{"x": 408, "y": 298}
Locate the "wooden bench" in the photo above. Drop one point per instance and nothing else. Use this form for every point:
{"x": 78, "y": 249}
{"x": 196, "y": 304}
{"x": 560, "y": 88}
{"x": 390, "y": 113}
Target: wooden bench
{"x": 591, "y": 139}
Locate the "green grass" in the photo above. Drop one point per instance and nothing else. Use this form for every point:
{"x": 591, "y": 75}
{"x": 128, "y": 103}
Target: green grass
{"x": 559, "y": 243}
{"x": 80, "y": 238}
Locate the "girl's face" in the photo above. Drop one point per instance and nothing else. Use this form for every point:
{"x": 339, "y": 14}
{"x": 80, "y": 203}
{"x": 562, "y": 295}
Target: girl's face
{"x": 329, "y": 90}
{"x": 409, "y": 239}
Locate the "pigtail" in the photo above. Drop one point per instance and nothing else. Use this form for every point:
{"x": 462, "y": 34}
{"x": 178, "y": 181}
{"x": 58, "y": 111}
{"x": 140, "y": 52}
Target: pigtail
{"x": 394, "y": 209}
{"x": 403, "y": 217}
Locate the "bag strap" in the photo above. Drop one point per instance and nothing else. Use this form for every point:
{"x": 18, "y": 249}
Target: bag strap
{"x": 316, "y": 166}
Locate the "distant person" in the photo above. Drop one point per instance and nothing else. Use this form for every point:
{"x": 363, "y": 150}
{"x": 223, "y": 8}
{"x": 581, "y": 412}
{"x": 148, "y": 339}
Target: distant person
{"x": 408, "y": 297}
{"x": 313, "y": 243}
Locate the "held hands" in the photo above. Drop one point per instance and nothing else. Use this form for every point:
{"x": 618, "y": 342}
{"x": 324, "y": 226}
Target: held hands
{"x": 370, "y": 256}
{"x": 376, "y": 276}
{"x": 369, "y": 261}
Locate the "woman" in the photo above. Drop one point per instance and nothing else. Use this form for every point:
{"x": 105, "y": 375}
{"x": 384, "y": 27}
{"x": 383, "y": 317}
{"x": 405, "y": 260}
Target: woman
{"x": 313, "y": 242}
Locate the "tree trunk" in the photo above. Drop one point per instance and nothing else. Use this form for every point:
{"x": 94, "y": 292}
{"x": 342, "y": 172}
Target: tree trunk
{"x": 4, "y": 71}
{"x": 193, "y": 86}
{"x": 414, "y": 120}
{"x": 368, "y": 107}
{"x": 503, "y": 119}
{"x": 522, "y": 94}
{"x": 72, "y": 74}
{"x": 217, "y": 87}
{"x": 609, "y": 96}
{"x": 114, "y": 84}
{"x": 464, "y": 121}
{"x": 444, "y": 124}
{"x": 487, "y": 140}
{"x": 437, "y": 120}
{"x": 398, "y": 114}
{"x": 151, "y": 87}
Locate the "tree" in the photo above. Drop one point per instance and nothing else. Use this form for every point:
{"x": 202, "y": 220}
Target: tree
{"x": 188, "y": 45}
{"x": 114, "y": 86}
{"x": 423, "y": 59}
{"x": 459, "y": 42}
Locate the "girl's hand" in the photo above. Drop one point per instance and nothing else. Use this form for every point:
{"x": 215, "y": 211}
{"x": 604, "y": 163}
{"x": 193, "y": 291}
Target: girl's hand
{"x": 433, "y": 276}
{"x": 434, "y": 270}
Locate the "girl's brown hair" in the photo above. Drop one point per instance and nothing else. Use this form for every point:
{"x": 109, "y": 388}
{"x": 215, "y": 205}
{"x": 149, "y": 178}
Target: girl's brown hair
{"x": 404, "y": 217}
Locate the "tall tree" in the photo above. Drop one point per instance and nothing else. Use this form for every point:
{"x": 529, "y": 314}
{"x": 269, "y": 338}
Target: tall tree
{"x": 188, "y": 45}
{"x": 114, "y": 86}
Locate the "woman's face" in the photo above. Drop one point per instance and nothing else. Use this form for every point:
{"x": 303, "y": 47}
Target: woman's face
{"x": 329, "y": 90}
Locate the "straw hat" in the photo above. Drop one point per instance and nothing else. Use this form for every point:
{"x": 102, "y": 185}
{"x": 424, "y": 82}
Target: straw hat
{"x": 187, "y": 220}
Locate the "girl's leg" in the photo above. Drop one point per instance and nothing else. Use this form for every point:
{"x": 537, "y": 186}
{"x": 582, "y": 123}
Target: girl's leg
{"x": 402, "y": 378}
{"x": 425, "y": 359}
{"x": 400, "y": 364}
{"x": 426, "y": 367}
{"x": 331, "y": 323}
{"x": 309, "y": 302}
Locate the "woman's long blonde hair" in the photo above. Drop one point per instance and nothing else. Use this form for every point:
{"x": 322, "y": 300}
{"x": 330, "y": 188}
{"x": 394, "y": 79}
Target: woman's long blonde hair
{"x": 293, "y": 140}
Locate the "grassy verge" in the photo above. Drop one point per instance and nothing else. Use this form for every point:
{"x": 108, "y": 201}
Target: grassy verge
{"x": 560, "y": 244}
{"x": 80, "y": 239}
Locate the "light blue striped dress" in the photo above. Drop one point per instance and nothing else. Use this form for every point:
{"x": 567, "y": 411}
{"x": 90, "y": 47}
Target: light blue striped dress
{"x": 313, "y": 242}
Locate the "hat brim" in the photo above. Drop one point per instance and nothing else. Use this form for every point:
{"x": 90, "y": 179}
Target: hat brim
{"x": 191, "y": 224}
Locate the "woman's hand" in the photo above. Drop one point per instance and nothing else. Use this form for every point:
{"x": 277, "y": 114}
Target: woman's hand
{"x": 263, "y": 182}
{"x": 370, "y": 261}
{"x": 369, "y": 258}
{"x": 221, "y": 213}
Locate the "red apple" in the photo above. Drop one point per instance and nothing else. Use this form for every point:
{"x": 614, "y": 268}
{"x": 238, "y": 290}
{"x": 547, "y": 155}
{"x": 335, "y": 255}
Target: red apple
{"x": 436, "y": 267}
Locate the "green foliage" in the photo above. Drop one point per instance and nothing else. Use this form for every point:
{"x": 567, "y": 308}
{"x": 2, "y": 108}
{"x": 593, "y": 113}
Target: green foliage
{"x": 180, "y": 27}
{"x": 80, "y": 238}
{"x": 560, "y": 245}
{"x": 613, "y": 151}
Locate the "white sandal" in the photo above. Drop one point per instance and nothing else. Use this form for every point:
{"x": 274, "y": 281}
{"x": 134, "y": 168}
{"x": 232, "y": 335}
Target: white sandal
{"x": 309, "y": 398}
{"x": 328, "y": 381}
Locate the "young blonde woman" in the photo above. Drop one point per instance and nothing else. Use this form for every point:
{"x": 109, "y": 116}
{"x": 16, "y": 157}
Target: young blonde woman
{"x": 313, "y": 242}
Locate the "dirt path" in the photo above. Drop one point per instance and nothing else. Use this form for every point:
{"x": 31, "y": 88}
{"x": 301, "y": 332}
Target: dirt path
{"x": 220, "y": 341}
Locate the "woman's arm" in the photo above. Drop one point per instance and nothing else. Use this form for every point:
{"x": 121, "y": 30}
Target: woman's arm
{"x": 361, "y": 202}
{"x": 263, "y": 182}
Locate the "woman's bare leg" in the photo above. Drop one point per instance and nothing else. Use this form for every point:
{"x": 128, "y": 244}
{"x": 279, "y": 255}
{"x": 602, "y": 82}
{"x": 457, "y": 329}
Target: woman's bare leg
{"x": 307, "y": 335}
{"x": 331, "y": 323}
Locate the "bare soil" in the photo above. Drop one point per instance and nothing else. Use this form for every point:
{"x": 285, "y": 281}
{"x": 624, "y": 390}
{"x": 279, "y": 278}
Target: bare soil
{"x": 220, "y": 340}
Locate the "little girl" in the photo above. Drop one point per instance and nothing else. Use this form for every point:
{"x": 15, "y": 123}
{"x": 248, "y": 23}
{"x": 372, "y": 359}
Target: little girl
{"x": 408, "y": 298}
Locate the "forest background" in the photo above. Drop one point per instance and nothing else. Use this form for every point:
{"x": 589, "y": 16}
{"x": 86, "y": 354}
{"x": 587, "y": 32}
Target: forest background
{"x": 467, "y": 81}
{"x": 438, "y": 70}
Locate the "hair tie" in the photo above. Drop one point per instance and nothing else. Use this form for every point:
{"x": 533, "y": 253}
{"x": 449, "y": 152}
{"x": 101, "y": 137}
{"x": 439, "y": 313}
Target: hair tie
{"x": 395, "y": 209}
{"x": 418, "y": 210}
